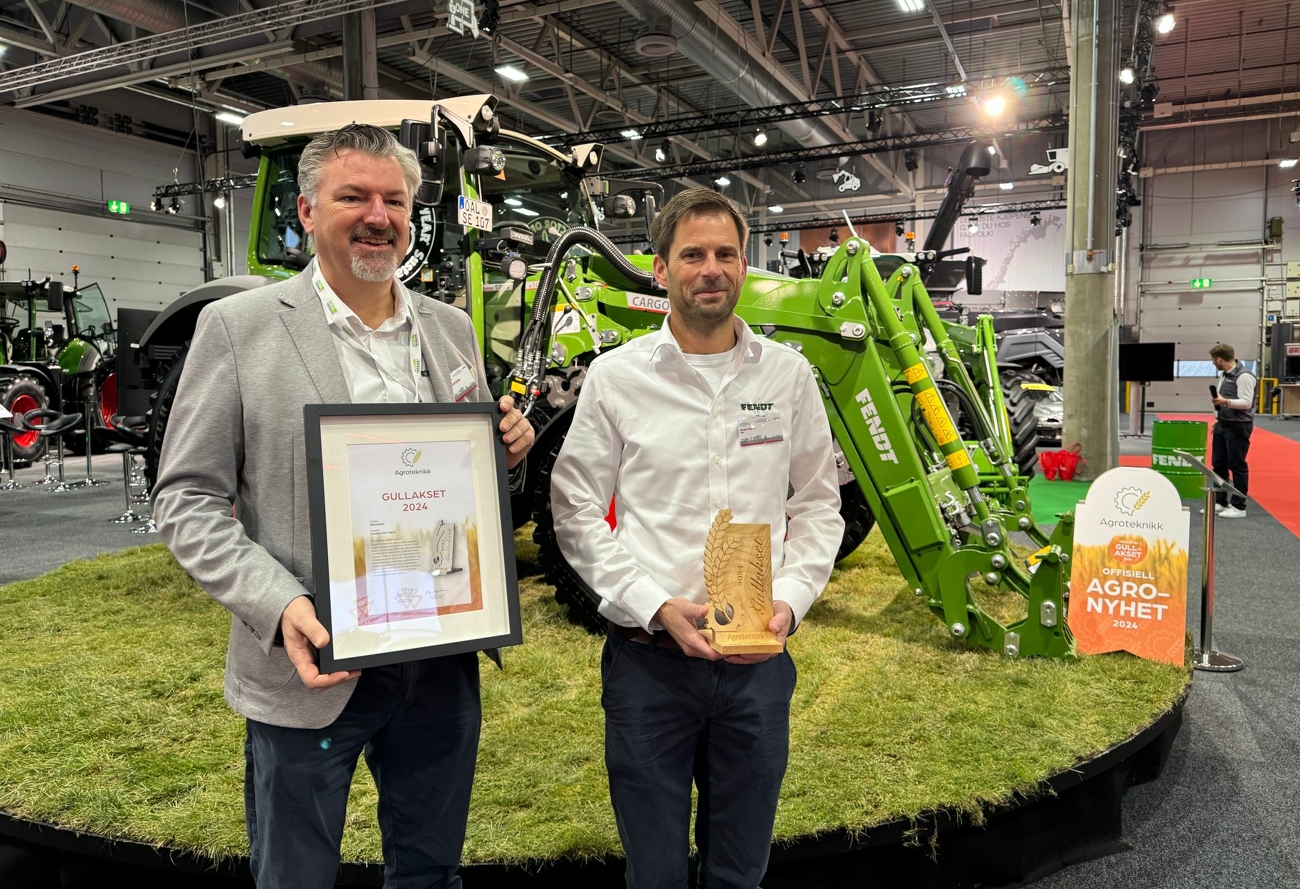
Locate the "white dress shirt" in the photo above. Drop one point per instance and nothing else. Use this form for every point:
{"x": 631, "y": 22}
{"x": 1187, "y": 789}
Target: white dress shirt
{"x": 380, "y": 365}
{"x": 652, "y": 433}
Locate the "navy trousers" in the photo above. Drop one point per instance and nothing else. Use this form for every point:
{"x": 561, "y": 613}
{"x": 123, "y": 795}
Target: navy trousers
{"x": 1231, "y": 444}
{"x": 670, "y": 719}
{"x": 418, "y": 725}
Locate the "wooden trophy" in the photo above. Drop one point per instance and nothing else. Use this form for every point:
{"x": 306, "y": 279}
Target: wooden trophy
{"x": 738, "y": 576}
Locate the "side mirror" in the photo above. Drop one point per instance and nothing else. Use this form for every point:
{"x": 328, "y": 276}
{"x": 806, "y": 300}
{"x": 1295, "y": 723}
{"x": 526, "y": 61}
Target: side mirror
{"x": 54, "y": 296}
{"x": 430, "y": 146}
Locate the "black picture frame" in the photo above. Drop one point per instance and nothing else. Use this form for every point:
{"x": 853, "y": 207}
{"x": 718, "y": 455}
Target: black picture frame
{"x": 356, "y": 640}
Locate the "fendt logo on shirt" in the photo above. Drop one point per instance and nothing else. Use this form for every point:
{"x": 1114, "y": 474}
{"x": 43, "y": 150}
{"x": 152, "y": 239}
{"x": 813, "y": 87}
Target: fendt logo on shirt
{"x": 760, "y": 406}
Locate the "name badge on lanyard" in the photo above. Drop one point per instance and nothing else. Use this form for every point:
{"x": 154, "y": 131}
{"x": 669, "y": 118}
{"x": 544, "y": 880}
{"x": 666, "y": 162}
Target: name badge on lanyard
{"x": 462, "y": 382}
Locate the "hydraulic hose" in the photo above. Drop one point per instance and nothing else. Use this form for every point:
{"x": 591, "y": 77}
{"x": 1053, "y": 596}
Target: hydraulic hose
{"x": 526, "y": 375}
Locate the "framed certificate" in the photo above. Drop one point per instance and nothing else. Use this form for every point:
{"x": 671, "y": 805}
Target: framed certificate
{"x": 412, "y": 539}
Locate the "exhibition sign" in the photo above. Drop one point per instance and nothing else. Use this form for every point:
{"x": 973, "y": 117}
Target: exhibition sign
{"x": 412, "y": 539}
{"x": 1128, "y": 588}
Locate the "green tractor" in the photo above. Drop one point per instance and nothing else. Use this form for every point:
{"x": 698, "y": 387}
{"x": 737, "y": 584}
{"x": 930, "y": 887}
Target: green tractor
{"x": 57, "y": 350}
{"x": 505, "y": 228}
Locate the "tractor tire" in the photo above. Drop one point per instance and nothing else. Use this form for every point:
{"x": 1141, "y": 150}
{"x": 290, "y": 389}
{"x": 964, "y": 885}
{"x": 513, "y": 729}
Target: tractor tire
{"x": 1023, "y": 422}
{"x": 582, "y": 601}
{"x": 858, "y": 520}
{"x": 160, "y": 408}
{"x": 19, "y": 394}
{"x": 99, "y": 390}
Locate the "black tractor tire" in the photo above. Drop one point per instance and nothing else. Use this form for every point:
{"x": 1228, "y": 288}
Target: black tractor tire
{"x": 1020, "y": 415}
{"x": 582, "y": 601}
{"x": 21, "y": 393}
{"x": 88, "y": 392}
{"x": 160, "y": 408}
{"x": 858, "y": 520}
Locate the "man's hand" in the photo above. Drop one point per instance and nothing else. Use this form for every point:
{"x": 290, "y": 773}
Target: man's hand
{"x": 517, "y": 432}
{"x": 1220, "y": 401}
{"x": 678, "y": 616}
{"x": 304, "y": 635}
{"x": 781, "y": 622}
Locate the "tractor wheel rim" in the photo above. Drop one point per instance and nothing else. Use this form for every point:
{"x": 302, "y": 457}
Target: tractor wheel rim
{"x": 24, "y": 404}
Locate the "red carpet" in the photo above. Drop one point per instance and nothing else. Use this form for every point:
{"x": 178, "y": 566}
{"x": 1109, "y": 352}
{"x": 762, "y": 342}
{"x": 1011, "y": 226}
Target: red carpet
{"x": 1274, "y": 470}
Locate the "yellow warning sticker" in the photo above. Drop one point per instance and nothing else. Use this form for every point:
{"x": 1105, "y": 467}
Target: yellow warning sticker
{"x": 936, "y": 417}
{"x": 916, "y": 372}
{"x": 957, "y": 460}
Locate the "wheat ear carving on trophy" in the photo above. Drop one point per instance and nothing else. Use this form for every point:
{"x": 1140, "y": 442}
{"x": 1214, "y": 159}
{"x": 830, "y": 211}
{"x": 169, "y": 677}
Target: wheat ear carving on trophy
{"x": 717, "y": 550}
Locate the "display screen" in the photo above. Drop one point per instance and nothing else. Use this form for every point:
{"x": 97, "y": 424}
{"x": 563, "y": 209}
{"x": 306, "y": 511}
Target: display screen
{"x": 1146, "y": 362}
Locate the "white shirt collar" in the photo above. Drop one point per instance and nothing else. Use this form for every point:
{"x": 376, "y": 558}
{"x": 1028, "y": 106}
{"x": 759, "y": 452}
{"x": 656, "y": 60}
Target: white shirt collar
{"x": 340, "y": 313}
{"x": 666, "y": 346}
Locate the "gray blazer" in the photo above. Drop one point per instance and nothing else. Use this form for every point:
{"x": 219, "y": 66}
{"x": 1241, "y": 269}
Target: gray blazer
{"x": 235, "y": 439}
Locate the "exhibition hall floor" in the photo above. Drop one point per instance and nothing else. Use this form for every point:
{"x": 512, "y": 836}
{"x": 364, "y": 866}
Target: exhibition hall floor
{"x": 1219, "y": 815}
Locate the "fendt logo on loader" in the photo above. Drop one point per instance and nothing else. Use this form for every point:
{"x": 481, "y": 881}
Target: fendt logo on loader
{"x": 876, "y": 427}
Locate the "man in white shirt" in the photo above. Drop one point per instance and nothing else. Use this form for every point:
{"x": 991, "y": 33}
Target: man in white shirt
{"x": 231, "y": 504}
{"x": 676, "y": 425}
{"x": 1234, "y": 420}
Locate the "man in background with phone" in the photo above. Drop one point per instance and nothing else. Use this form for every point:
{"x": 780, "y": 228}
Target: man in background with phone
{"x": 1234, "y": 408}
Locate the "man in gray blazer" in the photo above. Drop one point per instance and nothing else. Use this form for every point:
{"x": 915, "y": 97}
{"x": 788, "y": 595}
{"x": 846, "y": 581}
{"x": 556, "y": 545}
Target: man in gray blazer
{"x": 231, "y": 503}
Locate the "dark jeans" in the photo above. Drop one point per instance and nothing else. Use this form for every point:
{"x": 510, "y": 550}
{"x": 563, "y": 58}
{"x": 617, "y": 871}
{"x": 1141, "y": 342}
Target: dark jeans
{"x": 1231, "y": 444}
{"x": 418, "y": 724}
{"x": 670, "y": 718}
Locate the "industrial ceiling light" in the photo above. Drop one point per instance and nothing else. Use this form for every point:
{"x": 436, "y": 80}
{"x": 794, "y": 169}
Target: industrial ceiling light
{"x": 776, "y": 208}
{"x": 912, "y": 5}
{"x": 219, "y": 202}
{"x": 723, "y": 180}
{"x": 1287, "y": 163}
{"x": 994, "y": 106}
{"x": 1035, "y": 220}
{"x": 229, "y": 117}
{"x": 909, "y": 160}
{"x": 1126, "y": 75}
{"x": 1006, "y": 186}
{"x": 174, "y": 207}
{"x": 511, "y": 73}
{"x": 760, "y": 138}
{"x": 898, "y": 229}
{"x": 973, "y": 228}
{"x": 1165, "y": 21}
{"x": 631, "y": 134}
{"x": 800, "y": 174}
{"x": 993, "y": 148}
{"x": 661, "y": 153}
{"x": 491, "y": 18}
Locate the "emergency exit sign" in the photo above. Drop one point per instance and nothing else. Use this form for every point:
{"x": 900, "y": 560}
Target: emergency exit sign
{"x": 119, "y": 207}
{"x": 1202, "y": 283}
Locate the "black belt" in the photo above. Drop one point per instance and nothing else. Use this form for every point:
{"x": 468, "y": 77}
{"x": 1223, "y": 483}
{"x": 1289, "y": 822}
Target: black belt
{"x": 661, "y": 639}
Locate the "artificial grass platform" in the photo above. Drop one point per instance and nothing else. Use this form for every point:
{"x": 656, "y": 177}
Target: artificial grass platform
{"x": 1049, "y": 498}
{"x": 112, "y": 722}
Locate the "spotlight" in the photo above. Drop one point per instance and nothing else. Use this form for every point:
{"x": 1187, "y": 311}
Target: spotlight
{"x": 491, "y": 18}
{"x": 1165, "y": 23}
{"x": 898, "y": 229}
{"x": 156, "y": 205}
{"x": 1126, "y": 75}
{"x": 994, "y": 106}
{"x": 219, "y": 202}
{"x": 800, "y": 174}
{"x": 661, "y": 153}
{"x": 834, "y": 236}
{"x": 973, "y": 228}
{"x": 174, "y": 207}
{"x": 1035, "y": 220}
{"x": 909, "y": 160}
{"x": 760, "y": 138}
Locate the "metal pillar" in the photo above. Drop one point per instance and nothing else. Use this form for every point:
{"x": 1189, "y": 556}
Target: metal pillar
{"x": 360, "y": 56}
{"x": 1091, "y": 390}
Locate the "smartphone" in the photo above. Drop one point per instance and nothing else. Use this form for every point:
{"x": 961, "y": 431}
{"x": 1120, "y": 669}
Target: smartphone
{"x": 1214, "y": 391}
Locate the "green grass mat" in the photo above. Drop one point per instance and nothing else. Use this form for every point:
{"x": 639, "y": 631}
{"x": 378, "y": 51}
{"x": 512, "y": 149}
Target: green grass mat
{"x": 111, "y": 717}
{"x": 1050, "y": 498}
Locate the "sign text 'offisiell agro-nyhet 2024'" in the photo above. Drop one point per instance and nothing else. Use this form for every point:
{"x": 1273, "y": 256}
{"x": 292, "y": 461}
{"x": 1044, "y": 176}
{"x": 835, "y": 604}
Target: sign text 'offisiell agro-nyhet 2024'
{"x": 1128, "y": 589}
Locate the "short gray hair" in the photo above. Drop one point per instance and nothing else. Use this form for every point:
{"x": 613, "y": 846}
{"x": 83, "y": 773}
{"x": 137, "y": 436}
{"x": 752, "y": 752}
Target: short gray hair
{"x": 362, "y": 137}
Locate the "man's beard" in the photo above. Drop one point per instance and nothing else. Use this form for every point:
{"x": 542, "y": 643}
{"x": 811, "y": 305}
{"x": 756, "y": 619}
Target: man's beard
{"x": 377, "y": 267}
